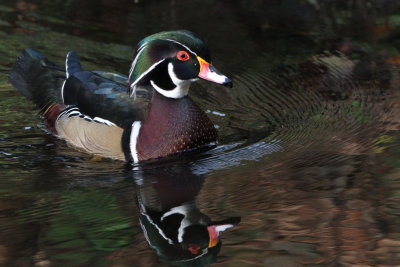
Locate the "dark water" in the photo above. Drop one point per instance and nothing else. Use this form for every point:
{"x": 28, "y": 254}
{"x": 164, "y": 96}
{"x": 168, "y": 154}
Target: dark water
{"x": 308, "y": 158}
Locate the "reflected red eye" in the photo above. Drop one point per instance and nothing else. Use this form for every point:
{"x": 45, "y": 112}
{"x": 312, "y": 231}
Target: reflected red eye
{"x": 182, "y": 55}
{"x": 194, "y": 249}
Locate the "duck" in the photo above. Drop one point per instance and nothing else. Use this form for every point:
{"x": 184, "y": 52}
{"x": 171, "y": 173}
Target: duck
{"x": 145, "y": 115}
{"x": 173, "y": 225}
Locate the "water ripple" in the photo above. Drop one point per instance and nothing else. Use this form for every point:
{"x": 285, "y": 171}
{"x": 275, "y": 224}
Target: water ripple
{"x": 319, "y": 103}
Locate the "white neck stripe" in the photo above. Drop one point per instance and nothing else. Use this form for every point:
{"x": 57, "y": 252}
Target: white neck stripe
{"x": 177, "y": 92}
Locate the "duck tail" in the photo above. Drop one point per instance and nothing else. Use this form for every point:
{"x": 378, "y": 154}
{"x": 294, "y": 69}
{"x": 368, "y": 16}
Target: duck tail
{"x": 39, "y": 80}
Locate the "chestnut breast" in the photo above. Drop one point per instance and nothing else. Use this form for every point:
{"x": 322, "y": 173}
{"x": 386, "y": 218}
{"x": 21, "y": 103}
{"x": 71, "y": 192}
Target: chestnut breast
{"x": 173, "y": 125}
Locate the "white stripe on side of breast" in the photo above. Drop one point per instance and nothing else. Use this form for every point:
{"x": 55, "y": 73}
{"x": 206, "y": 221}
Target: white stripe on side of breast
{"x": 133, "y": 140}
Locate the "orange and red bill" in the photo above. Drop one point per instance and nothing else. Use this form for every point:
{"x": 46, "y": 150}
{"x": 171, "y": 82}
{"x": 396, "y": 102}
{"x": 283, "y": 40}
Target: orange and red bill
{"x": 210, "y": 73}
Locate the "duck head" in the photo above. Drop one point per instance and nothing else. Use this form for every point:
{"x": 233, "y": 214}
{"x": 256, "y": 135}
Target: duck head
{"x": 172, "y": 223}
{"x": 170, "y": 61}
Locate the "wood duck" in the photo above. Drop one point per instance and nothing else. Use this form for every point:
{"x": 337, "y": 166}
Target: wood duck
{"x": 144, "y": 116}
{"x": 172, "y": 223}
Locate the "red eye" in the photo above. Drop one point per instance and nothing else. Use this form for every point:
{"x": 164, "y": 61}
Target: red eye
{"x": 194, "y": 249}
{"x": 182, "y": 55}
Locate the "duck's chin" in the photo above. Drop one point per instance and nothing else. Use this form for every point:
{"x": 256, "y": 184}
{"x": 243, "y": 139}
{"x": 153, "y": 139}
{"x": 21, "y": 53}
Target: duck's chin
{"x": 179, "y": 91}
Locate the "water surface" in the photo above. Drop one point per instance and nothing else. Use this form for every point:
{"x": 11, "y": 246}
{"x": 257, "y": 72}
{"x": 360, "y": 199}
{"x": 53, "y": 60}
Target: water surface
{"x": 308, "y": 158}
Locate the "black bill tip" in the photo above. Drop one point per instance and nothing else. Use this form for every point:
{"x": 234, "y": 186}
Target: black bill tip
{"x": 228, "y": 83}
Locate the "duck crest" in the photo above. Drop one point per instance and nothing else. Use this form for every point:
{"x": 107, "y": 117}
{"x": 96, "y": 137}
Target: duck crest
{"x": 173, "y": 125}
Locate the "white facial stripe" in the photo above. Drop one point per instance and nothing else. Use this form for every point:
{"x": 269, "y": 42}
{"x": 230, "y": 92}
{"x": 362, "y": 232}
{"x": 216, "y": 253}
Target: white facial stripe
{"x": 177, "y": 92}
{"x": 133, "y": 92}
{"x": 134, "y": 62}
{"x": 187, "y": 48}
{"x": 154, "y": 224}
{"x": 146, "y": 72}
{"x": 140, "y": 50}
{"x": 133, "y": 140}
{"x": 176, "y": 210}
{"x": 142, "y": 46}
{"x": 170, "y": 41}
{"x": 184, "y": 210}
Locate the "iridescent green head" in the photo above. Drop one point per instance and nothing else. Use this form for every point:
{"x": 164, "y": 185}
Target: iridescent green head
{"x": 170, "y": 61}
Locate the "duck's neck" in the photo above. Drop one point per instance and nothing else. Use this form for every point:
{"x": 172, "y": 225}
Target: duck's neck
{"x": 173, "y": 125}
{"x": 181, "y": 90}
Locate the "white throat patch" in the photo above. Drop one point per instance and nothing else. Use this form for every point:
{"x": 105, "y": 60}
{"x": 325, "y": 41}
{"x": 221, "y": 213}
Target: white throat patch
{"x": 181, "y": 89}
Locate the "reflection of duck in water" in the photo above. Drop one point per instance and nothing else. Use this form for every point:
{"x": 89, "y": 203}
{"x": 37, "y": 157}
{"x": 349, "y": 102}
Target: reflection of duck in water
{"x": 171, "y": 221}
